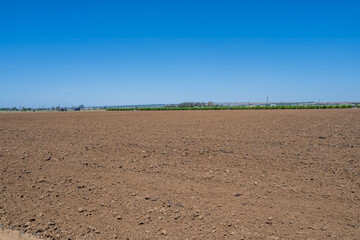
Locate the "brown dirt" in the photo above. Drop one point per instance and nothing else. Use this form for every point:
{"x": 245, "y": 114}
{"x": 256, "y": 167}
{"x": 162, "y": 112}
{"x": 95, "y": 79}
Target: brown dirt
{"x": 267, "y": 174}
{"x": 6, "y": 234}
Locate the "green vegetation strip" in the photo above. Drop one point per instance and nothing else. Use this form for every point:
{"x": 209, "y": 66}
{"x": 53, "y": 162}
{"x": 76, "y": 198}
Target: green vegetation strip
{"x": 234, "y": 108}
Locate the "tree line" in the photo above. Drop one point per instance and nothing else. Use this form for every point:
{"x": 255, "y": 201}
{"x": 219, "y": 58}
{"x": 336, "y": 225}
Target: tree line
{"x": 238, "y": 107}
{"x": 191, "y": 104}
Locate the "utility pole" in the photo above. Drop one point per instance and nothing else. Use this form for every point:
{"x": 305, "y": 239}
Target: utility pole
{"x": 267, "y": 100}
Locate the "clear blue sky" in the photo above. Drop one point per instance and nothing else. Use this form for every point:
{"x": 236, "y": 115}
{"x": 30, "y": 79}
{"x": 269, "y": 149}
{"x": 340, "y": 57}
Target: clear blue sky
{"x": 142, "y": 52}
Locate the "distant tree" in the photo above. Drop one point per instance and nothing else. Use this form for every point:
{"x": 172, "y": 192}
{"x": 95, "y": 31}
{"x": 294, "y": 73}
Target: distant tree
{"x": 170, "y": 106}
{"x": 210, "y": 104}
{"x": 61, "y": 109}
{"x": 196, "y": 104}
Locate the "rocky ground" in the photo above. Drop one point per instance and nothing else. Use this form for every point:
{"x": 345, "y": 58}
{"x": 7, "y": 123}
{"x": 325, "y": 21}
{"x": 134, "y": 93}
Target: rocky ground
{"x": 267, "y": 174}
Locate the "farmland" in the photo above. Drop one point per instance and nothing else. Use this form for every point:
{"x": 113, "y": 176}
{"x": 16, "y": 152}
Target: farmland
{"x": 280, "y": 174}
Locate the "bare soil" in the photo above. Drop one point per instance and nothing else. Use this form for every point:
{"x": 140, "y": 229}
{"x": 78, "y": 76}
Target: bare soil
{"x": 267, "y": 174}
{"x": 6, "y": 234}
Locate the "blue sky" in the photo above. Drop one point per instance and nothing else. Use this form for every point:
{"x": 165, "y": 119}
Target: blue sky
{"x": 143, "y": 52}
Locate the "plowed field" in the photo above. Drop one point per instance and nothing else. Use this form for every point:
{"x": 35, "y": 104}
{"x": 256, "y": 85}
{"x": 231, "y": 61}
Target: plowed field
{"x": 267, "y": 174}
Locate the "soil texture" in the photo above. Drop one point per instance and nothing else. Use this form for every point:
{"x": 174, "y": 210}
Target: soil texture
{"x": 266, "y": 174}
